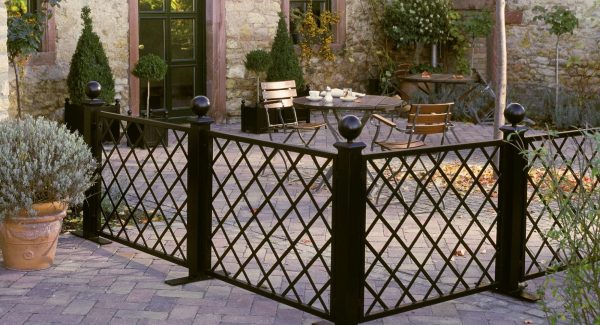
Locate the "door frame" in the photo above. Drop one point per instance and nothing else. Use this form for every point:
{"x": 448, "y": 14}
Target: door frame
{"x": 215, "y": 57}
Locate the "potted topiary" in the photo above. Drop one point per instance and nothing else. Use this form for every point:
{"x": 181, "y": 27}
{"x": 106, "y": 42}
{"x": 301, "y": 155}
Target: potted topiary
{"x": 285, "y": 65}
{"x": 152, "y": 68}
{"x": 43, "y": 169}
{"x": 89, "y": 62}
{"x": 257, "y": 61}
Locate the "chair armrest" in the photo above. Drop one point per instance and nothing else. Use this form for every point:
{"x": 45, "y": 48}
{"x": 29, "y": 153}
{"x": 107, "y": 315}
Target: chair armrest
{"x": 384, "y": 120}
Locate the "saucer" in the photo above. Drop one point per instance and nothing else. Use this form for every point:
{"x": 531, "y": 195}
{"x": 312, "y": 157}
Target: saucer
{"x": 348, "y": 99}
{"x": 314, "y": 99}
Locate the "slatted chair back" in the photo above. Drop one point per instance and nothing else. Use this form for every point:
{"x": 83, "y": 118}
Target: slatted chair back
{"x": 426, "y": 119}
{"x": 278, "y": 95}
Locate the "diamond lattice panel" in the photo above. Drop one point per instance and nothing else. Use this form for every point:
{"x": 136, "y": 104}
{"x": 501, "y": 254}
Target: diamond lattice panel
{"x": 565, "y": 164}
{"x": 144, "y": 187}
{"x": 272, "y": 219}
{"x": 431, "y": 226}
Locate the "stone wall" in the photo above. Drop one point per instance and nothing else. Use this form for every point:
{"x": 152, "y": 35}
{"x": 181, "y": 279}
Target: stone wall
{"x": 252, "y": 24}
{"x": 44, "y": 85}
{"x": 4, "y": 90}
{"x": 531, "y": 48}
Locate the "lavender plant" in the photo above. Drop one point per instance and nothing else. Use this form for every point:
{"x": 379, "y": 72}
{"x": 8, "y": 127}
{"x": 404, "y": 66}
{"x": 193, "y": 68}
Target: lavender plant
{"x": 41, "y": 161}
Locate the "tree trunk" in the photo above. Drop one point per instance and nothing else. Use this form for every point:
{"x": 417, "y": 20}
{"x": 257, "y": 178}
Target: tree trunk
{"x": 500, "y": 68}
{"x": 148, "y": 101}
{"x": 18, "y": 90}
{"x": 557, "y": 80}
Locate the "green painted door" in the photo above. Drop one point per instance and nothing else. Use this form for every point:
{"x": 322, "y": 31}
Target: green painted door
{"x": 174, "y": 30}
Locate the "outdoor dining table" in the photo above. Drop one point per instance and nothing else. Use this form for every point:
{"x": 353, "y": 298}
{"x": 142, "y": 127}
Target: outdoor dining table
{"x": 365, "y": 105}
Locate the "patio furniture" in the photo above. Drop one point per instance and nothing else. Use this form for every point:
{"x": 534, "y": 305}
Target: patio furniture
{"x": 278, "y": 96}
{"x": 365, "y": 105}
{"x": 423, "y": 120}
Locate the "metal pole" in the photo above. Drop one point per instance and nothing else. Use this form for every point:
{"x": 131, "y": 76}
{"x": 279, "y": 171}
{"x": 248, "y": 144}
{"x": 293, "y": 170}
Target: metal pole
{"x": 348, "y": 226}
{"x": 91, "y": 135}
{"x": 512, "y": 203}
{"x": 199, "y": 196}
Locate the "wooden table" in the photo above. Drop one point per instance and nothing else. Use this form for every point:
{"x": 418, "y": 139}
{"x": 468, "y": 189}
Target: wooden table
{"x": 365, "y": 105}
{"x": 437, "y": 79}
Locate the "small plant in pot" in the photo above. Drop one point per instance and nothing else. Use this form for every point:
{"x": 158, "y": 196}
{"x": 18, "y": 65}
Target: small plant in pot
{"x": 150, "y": 67}
{"x": 258, "y": 61}
{"x": 44, "y": 168}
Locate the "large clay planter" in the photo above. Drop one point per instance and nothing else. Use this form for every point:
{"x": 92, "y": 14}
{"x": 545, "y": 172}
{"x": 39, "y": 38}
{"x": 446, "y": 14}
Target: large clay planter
{"x": 29, "y": 243}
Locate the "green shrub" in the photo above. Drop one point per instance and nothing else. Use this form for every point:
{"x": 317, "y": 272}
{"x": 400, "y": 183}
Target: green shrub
{"x": 258, "y": 61}
{"x": 570, "y": 186}
{"x": 152, "y": 68}
{"x": 285, "y": 64}
{"x": 89, "y": 63}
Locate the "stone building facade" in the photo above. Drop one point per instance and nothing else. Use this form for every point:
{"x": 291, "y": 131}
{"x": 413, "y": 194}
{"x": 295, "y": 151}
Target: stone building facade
{"x": 239, "y": 26}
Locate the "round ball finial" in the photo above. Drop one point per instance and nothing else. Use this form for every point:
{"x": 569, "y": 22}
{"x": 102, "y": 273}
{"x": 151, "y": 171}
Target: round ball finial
{"x": 514, "y": 113}
{"x": 350, "y": 127}
{"x": 93, "y": 89}
{"x": 200, "y": 105}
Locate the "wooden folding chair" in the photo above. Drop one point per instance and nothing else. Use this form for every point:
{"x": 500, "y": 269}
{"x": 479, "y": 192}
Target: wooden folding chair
{"x": 278, "y": 96}
{"x": 423, "y": 120}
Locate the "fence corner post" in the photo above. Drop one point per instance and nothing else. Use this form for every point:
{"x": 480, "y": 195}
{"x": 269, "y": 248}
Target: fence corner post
{"x": 348, "y": 226}
{"x": 90, "y": 133}
{"x": 199, "y": 194}
{"x": 512, "y": 204}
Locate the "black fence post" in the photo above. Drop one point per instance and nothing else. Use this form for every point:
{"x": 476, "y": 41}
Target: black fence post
{"x": 199, "y": 194}
{"x": 512, "y": 204}
{"x": 348, "y": 226}
{"x": 91, "y": 135}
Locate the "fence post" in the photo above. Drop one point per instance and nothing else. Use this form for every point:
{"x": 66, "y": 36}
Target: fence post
{"x": 91, "y": 136}
{"x": 348, "y": 226}
{"x": 199, "y": 194}
{"x": 512, "y": 204}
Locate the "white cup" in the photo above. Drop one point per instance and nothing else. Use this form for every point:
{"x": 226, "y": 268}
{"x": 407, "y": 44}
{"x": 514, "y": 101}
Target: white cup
{"x": 313, "y": 93}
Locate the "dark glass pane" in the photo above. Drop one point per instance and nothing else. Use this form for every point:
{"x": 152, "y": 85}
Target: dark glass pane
{"x": 182, "y": 39}
{"x": 151, "y": 5}
{"x": 182, "y": 5}
{"x": 157, "y": 95}
{"x": 182, "y": 86}
{"x": 298, "y": 8}
{"x": 152, "y": 37}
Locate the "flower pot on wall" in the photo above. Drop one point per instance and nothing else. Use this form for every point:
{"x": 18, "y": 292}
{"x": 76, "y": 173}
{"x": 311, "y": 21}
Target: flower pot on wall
{"x": 29, "y": 243}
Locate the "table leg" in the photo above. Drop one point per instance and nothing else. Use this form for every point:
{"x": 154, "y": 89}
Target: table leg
{"x": 330, "y": 126}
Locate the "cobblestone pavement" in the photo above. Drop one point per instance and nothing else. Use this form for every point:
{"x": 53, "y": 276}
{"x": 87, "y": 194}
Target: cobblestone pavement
{"x": 119, "y": 285}
{"x": 113, "y": 284}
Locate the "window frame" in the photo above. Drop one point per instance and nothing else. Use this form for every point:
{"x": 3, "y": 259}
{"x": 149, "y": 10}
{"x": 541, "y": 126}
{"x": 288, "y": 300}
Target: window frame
{"x": 339, "y": 31}
{"x": 46, "y": 55}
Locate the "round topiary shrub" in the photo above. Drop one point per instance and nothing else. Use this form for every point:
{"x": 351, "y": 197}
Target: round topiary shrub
{"x": 258, "y": 61}
{"x": 152, "y": 68}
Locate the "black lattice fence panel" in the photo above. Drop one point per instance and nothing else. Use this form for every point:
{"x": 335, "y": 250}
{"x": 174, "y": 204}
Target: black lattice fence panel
{"x": 566, "y": 162}
{"x": 144, "y": 185}
{"x": 272, "y": 220}
{"x": 431, "y": 225}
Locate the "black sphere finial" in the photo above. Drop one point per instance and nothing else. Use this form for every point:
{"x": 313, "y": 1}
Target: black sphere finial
{"x": 93, "y": 89}
{"x": 514, "y": 113}
{"x": 200, "y": 105}
{"x": 350, "y": 127}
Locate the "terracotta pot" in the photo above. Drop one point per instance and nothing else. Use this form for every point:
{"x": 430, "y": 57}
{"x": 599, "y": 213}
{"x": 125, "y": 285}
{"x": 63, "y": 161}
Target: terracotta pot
{"x": 29, "y": 243}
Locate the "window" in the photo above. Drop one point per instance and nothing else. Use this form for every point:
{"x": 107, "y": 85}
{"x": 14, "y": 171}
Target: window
{"x": 47, "y": 52}
{"x": 294, "y": 8}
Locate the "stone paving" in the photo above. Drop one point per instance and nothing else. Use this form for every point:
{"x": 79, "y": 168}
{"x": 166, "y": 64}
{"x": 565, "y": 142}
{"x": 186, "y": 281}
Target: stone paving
{"x": 116, "y": 284}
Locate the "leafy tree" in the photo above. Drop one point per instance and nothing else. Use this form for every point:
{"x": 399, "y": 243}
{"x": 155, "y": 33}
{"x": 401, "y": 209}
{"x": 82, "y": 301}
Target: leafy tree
{"x": 258, "y": 61}
{"x": 25, "y": 31}
{"x": 561, "y": 21}
{"x": 152, "y": 68}
{"x": 89, "y": 62}
{"x": 475, "y": 26}
{"x": 285, "y": 64}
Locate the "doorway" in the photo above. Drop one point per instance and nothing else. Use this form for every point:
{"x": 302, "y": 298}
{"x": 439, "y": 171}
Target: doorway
{"x": 174, "y": 30}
